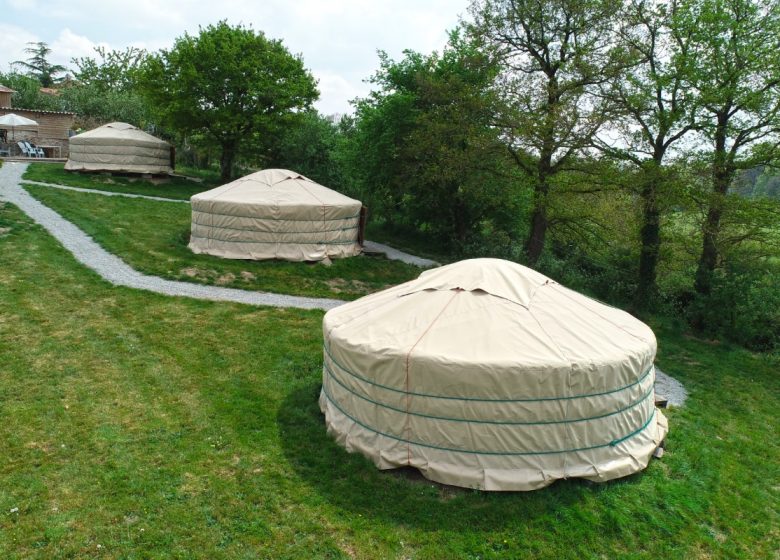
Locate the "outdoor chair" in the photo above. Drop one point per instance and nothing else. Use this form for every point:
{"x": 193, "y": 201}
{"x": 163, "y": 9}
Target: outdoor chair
{"x": 35, "y": 150}
{"x": 26, "y": 152}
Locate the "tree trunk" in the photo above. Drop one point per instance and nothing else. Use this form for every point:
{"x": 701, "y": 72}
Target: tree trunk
{"x": 544, "y": 170}
{"x": 226, "y": 160}
{"x": 722, "y": 174}
{"x": 650, "y": 238}
{"x": 535, "y": 243}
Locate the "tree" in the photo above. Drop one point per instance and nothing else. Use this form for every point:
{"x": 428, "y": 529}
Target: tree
{"x": 655, "y": 111}
{"x": 231, "y": 82}
{"x": 554, "y": 53}
{"x": 105, "y": 88}
{"x": 307, "y": 146}
{"x": 736, "y": 51}
{"x": 112, "y": 71}
{"x": 424, "y": 145}
{"x": 38, "y": 64}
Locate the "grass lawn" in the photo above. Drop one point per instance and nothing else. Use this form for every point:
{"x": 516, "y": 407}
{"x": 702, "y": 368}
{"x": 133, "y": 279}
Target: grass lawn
{"x": 152, "y": 237}
{"x": 140, "y": 426}
{"x": 175, "y": 187}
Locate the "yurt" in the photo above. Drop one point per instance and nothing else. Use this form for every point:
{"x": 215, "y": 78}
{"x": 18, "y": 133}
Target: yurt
{"x": 121, "y": 148}
{"x": 275, "y": 214}
{"x": 486, "y": 374}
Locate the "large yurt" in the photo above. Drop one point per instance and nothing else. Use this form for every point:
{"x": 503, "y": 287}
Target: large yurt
{"x": 275, "y": 214}
{"x": 486, "y": 374}
{"x": 120, "y": 148}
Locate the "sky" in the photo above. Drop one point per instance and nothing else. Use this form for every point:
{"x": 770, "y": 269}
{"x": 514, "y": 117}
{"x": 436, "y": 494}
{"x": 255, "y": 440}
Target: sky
{"x": 338, "y": 39}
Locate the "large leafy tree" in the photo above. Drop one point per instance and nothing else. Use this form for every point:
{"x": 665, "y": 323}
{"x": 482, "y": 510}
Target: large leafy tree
{"x": 424, "y": 147}
{"x": 106, "y": 88}
{"x": 110, "y": 70}
{"x": 736, "y": 48}
{"x": 38, "y": 65}
{"x": 554, "y": 54}
{"x": 233, "y": 83}
{"x": 655, "y": 112}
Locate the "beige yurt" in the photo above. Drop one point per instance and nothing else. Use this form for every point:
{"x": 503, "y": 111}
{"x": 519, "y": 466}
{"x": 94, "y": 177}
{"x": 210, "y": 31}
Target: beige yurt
{"x": 121, "y": 148}
{"x": 486, "y": 374}
{"x": 275, "y": 214}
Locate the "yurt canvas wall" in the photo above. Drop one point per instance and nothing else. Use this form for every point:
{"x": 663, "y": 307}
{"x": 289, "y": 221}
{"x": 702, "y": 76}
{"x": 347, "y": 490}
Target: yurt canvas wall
{"x": 486, "y": 374}
{"x": 121, "y": 148}
{"x": 275, "y": 214}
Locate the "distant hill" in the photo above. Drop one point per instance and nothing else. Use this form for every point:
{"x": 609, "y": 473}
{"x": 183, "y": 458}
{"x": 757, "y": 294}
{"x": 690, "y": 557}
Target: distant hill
{"x": 760, "y": 181}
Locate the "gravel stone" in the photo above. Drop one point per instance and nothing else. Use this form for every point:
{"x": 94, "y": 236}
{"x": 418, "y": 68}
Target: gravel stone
{"x": 668, "y": 388}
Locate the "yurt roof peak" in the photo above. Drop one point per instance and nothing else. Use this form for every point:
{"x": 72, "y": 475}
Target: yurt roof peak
{"x": 497, "y": 277}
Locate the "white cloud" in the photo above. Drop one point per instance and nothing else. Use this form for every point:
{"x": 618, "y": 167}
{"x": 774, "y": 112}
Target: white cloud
{"x": 336, "y": 92}
{"x": 13, "y": 41}
{"x": 338, "y": 38}
{"x": 69, "y": 45}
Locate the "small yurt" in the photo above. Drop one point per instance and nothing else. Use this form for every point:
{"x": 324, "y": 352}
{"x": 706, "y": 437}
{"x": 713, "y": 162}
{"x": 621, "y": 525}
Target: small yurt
{"x": 486, "y": 374}
{"x": 275, "y": 214}
{"x": 120, "y": 148}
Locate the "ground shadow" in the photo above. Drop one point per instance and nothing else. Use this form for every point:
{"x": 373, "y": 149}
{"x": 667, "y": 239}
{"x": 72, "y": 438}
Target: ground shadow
{"x": 403, "y": 496}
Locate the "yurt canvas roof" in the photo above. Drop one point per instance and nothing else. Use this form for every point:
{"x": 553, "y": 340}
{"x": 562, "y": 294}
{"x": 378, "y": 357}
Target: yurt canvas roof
{"x": 271, "y": 191}
{"x": 275, "y": 213}
{"x": 487, "y": 374}
{"x": 119, "y": 147}
{"x": 118, "y": 133}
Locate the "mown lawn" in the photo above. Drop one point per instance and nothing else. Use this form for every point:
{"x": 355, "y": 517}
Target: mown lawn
{"x": 174, "y": 187}
{"x": 140, "y": 426}
{"x": 152, "y": 237}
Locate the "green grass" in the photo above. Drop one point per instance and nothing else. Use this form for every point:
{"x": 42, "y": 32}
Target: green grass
{"x": 137, "y": 426}
{"x": 152, "y": 237}
{"x": 175, "y": 187}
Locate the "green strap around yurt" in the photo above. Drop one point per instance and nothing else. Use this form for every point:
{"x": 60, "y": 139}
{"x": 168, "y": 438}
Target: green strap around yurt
{"x": 612, "y": 443}
{"x": 431, "y": 396}
{"x": 495, "y": 422}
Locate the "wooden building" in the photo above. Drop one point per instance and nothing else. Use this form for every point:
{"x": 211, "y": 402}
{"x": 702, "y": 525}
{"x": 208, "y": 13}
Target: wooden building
{"x": 5, "y": 96}
{"x": 52, "y": 132}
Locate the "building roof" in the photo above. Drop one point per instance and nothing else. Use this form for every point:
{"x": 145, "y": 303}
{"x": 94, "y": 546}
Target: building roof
{"x": 39, "y": 111}
{"x": 4, "y": 89}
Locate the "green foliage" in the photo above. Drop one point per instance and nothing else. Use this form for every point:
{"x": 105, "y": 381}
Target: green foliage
{"x": 744, "y": 306}
{"x": 552, "y": 56}
{"x": 28, "y": 94}
{"x": 233, "y": 84}
{"x": 38, "y": 65}
{"x": 95, "y": 106}
{"x": 737, "y": 78}
{"x": 423, "y": 149}
{"x": 307, "y": 145}
{"x": 114, "y": 71}
{"x": 105, "y": 89}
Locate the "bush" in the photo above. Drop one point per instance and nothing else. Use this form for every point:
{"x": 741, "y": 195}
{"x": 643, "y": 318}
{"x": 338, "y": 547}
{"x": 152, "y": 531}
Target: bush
{"x": 744, "y": 306}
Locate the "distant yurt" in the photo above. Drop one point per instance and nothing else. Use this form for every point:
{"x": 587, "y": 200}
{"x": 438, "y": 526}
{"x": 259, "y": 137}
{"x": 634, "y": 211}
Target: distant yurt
{"x": 275, "y": 214}
{"x": 121, "y": 148}
{"x": 486, "y": 374}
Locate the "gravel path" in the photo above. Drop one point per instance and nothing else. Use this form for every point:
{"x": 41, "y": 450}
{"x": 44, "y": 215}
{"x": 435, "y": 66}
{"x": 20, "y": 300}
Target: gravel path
{"x": 667, "y": 387}
{"x": 390, "y": 253}
{"x": 105, "y": 193}
{"x": 117, "y": 271}
{"x": 396, "y": 255}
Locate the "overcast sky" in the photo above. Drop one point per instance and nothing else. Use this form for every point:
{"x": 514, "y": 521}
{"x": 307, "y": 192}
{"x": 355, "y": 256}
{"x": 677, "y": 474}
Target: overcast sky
{"x": 337, "y": 38}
